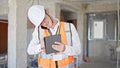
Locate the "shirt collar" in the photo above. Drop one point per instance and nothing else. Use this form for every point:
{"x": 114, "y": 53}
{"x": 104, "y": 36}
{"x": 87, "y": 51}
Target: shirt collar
{"x": 54, "y": 30}
{"x": 56, "y": 26}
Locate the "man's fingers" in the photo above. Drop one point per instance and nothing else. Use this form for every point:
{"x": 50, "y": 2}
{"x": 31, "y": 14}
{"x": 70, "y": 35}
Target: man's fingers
{"x": 55, "y": 47}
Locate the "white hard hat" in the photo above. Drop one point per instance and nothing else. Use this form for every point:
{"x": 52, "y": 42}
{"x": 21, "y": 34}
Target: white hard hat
{"x": 36, "y": 14}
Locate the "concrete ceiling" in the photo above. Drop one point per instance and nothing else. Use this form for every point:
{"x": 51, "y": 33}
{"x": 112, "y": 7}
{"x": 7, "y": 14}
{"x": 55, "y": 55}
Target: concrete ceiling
{"x": 88, "y": 0}
{"x": 85, "y": 1}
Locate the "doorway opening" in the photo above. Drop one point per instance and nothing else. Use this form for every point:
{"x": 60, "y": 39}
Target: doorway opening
{"x": 101, "y": 35}
{"x": 3, "y": 43}
{"x": 68, "y": 16}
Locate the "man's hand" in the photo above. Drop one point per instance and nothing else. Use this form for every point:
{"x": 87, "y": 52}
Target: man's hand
{"x": 58, "y": 46}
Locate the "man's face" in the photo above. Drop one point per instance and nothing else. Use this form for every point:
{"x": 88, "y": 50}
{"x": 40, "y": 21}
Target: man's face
{"x": 47, "y": 22}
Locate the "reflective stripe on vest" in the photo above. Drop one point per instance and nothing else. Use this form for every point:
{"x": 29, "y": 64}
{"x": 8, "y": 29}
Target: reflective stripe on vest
{"x": 44, "y": 62}
{"x": 48, "y": 62}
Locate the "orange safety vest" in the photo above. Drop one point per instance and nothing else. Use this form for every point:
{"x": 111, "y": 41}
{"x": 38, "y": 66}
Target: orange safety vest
{"x": 48, "y": 62}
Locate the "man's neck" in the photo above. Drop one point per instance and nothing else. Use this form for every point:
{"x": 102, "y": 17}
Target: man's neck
{"x": 54, "y": 23}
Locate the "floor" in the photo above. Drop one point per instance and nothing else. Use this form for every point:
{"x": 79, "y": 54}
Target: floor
{"x": 99, "y": 63}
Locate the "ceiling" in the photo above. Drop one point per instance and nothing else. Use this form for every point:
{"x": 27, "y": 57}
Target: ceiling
{"x": 6, "y": 1}
{"x": 89, "y": 0}
{"x": 77, "y": 2}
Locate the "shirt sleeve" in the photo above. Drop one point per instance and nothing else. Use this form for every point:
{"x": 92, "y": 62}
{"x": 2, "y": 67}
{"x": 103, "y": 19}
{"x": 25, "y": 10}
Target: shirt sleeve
{"x": 75, "y": 49}
{"x": 34, "y": 46}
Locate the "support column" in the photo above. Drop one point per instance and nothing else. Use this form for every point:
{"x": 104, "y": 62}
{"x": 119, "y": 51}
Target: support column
{"x": 17, "y": 34}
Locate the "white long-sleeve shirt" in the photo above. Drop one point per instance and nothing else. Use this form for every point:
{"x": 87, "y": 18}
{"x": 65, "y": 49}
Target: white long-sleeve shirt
{"x": 35, "y": 47}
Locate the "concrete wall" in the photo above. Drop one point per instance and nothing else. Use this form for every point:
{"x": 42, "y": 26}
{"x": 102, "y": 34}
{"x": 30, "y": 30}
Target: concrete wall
{"x": 17, "y": 34}
{"x": 4, "y": 10}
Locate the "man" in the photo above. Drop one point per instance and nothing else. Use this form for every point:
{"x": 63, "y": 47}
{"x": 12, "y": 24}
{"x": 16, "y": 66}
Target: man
{"x": 45, "y": 26}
